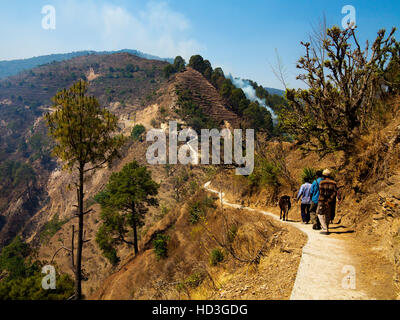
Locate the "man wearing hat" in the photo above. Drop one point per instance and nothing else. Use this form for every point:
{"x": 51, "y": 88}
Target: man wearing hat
{"x": 327, "y": 200}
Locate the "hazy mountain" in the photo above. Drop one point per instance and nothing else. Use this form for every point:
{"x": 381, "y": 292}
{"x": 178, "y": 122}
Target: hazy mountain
{"x": 13, "y": 67}
{"x": 275, "y": 91}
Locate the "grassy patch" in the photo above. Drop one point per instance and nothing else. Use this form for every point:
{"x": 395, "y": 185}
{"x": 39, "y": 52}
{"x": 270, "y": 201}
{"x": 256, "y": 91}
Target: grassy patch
{"x": 51, "y": 228}
{"x": 216, "y": 256}
{"x": 197, "y": 209}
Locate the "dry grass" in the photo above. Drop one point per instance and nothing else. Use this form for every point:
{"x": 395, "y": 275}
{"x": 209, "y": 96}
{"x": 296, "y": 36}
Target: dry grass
{"x": 186, "y": 273}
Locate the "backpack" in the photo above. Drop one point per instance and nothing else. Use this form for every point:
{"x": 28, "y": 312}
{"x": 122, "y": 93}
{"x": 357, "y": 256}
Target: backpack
{"x": 316, "y": 180}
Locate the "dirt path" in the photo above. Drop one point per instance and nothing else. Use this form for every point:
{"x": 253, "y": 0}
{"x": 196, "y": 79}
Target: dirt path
{"x": 325, "y": 265}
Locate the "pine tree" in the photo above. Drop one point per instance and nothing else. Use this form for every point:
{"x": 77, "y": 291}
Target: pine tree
{"x": 83, "y": 133}
{"x": 124, "y": 203}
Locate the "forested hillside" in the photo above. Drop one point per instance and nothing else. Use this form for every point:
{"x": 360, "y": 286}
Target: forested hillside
{"x": 12, "y": 67}
{"x": 139, "y": 92}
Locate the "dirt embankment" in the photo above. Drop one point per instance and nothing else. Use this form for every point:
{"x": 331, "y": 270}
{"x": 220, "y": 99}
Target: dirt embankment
{"x": 186, "y": 273}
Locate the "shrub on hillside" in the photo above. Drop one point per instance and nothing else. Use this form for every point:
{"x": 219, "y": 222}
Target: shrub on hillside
{"x": 160, "y": 244}
{"x": 216, "y": 256}
{"x": 197, "y": 209}
{"x": 137, "y": 132}
{"x": 195, "y": 279}
{"x": 195, "y": 212}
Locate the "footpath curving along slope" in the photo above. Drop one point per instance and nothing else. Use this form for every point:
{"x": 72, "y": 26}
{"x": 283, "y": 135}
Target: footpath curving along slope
{"x": 324, "y": 266}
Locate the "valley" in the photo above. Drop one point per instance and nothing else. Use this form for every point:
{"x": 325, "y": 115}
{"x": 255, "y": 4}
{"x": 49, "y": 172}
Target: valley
{"x": 194, "y": 244}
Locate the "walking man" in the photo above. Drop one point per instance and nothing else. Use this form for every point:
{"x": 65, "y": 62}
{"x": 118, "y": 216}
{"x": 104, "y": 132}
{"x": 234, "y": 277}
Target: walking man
{"x": 327, "y": 200}
{"x": 305, "y": 195}
{"x": 314, "y": 200}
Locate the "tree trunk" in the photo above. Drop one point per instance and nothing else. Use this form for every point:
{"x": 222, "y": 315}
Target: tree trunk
{"x": 78, "y": 266}
{"x": 135, "y": 239}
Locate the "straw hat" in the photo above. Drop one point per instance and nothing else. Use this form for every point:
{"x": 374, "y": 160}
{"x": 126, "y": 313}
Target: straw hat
{"x": 326, "y": 173}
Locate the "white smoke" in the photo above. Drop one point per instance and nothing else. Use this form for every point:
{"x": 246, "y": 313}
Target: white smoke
{"x": 250, "y": 93}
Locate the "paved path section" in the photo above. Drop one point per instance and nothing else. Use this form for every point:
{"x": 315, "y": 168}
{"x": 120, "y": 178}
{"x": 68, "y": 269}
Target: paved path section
{"x": 325, "y": 271}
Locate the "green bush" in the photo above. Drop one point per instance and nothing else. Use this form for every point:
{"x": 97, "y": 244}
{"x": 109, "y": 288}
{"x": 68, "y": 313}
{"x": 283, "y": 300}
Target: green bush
{"x": 168, "y": 70}
{"x": 195, "y": 212}
{"x": 216, "y": 256}
{"x": 30, "y": 288}
{"x": 22, "y": 277}
{"x": 208, "y": 202}
{"x": 160, "y": 244}
{"x": 164, "y": 211}
{"x": 137, "y": 132}
{"x": 12, "y": 259}
{"x": 309, "y": 174}
{"x": 195, "y": 279}
{"x": 197, "y": 209}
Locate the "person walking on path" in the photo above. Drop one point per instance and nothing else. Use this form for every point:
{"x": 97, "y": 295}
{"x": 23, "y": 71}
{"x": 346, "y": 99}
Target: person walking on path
{"x": 305, "y": 195}
{"x": 333, "y": 206}
{"x": 314, "y": 200}
{"x": 327, "y": 200}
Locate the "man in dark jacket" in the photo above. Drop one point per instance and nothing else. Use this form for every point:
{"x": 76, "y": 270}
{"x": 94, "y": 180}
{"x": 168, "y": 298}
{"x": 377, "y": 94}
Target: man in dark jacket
{"x": 327, "y": 200}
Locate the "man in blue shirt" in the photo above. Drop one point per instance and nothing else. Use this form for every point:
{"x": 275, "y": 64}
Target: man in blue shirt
{"x": 305, "y": 195}
{"x": 314, "y": 200}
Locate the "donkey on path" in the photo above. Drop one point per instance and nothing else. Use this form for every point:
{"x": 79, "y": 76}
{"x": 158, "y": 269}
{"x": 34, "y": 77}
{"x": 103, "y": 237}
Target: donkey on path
{"x": 284, "y": 205}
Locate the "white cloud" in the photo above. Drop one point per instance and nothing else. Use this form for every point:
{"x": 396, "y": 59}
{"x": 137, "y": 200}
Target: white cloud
{"x": 155, "y": 29}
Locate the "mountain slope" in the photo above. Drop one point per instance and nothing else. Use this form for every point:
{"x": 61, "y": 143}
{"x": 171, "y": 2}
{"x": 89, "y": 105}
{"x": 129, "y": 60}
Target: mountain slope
{"x": 42, "y": 210}
{"x": 13, "y": 67}
{"x": 206, "y": 96}
{"x": 123, "y": 82}
{"x": 133, "y": 89}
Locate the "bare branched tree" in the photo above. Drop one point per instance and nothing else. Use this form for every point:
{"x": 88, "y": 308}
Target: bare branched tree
{"x": 342, "y": 90}
{"x": 279, "y": 70}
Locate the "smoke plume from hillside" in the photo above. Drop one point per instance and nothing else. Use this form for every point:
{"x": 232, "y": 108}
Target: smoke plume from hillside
{"x": 250, "y": 93}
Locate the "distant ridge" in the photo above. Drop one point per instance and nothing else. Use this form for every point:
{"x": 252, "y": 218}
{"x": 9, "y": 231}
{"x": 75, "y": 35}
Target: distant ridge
{"x": 13, "y": 67}
{"x": 275, "y": 91}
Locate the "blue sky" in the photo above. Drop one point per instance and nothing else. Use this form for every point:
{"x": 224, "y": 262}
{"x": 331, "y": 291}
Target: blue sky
{"x": 240, "y": 36}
